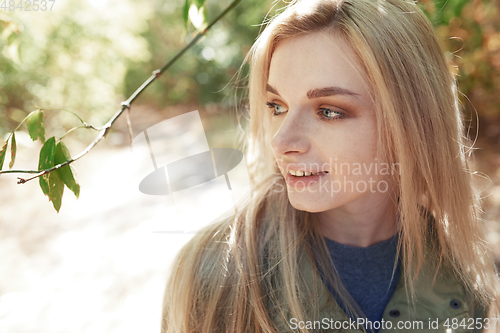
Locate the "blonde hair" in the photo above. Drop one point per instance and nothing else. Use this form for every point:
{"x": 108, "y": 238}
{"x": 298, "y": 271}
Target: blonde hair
{"x": 227, "y": 277}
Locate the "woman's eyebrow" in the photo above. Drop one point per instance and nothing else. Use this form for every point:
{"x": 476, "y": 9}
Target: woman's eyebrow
{"x": 272, "y": 90}
{"x": 321, "y": 92}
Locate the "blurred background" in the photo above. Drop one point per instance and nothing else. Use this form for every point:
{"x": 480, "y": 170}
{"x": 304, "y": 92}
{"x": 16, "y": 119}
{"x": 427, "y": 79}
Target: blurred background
{"x": 96, "y": 266}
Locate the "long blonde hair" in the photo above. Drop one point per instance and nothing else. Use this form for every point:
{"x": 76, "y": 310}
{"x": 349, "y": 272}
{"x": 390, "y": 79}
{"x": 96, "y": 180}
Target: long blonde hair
{"x": 227, "y": 276}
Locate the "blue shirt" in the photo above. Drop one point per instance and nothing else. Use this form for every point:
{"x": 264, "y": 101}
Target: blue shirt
{"x": 366, "y": 273}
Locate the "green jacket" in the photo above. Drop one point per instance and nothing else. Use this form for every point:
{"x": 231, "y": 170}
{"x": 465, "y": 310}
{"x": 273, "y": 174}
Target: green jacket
{"x": 440, "y": 305}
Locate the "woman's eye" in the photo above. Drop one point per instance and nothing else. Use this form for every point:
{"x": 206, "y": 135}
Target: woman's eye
{"x": 278, "y": 108}
{"x": 325, "y": 114}
{"x": 328, "y": 114}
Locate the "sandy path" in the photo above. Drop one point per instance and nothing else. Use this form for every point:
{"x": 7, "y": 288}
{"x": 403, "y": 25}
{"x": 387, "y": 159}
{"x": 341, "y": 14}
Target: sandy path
{"x": 94, "y": 267}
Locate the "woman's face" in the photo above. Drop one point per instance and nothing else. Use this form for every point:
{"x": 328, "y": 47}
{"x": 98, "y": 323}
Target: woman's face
{"x": 322, "y": 119}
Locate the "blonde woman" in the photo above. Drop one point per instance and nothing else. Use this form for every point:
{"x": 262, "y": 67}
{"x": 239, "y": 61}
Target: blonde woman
{"x": 363, "y": 214}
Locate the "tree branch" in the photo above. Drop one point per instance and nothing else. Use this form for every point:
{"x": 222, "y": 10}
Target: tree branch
{"x": 104, "y": 130}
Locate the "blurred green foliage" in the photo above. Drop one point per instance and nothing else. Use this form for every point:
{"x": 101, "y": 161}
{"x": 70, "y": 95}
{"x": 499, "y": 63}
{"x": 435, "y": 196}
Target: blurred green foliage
{"x": 88, "y": 56}
{"x": 74, "y": 57}
{"x": 201, "y": 76}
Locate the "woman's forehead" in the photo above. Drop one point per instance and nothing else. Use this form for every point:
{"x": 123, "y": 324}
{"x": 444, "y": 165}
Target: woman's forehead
{"x": 315, "y": 60}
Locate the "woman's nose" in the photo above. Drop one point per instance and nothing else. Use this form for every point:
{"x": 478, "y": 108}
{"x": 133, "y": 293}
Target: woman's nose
{"x": 291, "y": 136}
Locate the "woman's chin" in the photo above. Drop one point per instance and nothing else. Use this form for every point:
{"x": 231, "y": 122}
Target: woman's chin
{"x": 307, "y": 205}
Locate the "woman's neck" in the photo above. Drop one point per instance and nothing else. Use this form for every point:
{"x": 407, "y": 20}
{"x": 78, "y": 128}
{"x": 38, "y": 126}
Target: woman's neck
{"x": 368, "y": 220}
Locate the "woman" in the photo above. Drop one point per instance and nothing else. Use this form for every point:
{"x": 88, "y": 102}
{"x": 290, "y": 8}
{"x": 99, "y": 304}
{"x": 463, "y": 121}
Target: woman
{"x": 356, "y": 151}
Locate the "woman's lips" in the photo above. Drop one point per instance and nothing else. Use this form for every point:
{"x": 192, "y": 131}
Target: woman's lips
{"x": 303, "y": 181}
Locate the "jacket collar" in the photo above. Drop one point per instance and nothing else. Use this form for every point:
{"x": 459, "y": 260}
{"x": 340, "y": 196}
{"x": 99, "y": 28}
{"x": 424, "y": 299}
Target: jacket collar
{"x": 438, "y": 297}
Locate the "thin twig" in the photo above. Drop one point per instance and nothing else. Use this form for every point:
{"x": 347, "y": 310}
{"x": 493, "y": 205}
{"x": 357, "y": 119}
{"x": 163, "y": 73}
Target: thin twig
{"x": 129, "y": 126}
{"x": 104, "y": 130}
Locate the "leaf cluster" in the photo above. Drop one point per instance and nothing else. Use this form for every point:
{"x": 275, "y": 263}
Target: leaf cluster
{"x": 54, "y": 152}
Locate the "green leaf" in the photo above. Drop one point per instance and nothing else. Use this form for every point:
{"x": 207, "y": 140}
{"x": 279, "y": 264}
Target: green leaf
{"x": 13, "y": 150}
{"x": 205, "y": 17}
{"x": 46, "y": 161}
{"x": 36, "y": 127}
{"x": 51, "y": 184}
{"x": 56, "y": 190}
{"x": 3, "y": 151}
{"x": 185, "y": 12}
{"x": 197, "y": 16}
{"x": 66, "y": 173}
{"x": 199, "y": 3}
